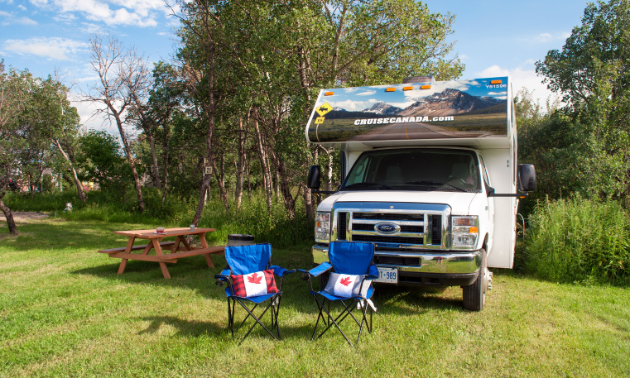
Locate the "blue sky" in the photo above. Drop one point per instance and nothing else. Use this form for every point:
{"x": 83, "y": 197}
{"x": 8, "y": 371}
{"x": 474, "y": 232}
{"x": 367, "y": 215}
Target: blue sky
{"x": 493, "y": 37}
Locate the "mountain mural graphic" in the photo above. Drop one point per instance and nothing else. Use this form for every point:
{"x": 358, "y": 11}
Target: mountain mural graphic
{"x": 448, "y": 102}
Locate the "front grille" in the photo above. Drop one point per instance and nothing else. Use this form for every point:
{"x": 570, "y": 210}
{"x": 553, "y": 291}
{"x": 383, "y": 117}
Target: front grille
{"x": 370, "y": 227}
{"x": 418, "y": 229}
{"x": 387, "y": 239}
{"x": 341, "y": 226}
{"x": 436, "y": 227}
{"x": 389, "y": 216}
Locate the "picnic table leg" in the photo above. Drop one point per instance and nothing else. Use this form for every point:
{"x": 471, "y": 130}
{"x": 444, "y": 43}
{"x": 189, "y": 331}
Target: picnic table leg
{"x": 123, "y": 263}
{"x": 202, "y": 239}
{"x": 158, "y": 251}
{"x": 175, "y": 247}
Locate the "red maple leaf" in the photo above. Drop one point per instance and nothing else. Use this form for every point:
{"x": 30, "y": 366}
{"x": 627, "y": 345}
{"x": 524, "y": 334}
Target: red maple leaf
{"x": 254, "y": 279}
{"x": 345, "y": 281}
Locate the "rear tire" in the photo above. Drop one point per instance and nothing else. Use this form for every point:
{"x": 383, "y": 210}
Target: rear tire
{"x": 475, "y": 294}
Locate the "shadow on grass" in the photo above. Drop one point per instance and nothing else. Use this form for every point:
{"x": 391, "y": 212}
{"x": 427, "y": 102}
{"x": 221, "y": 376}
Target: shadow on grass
{"x": 187, "y": 328}
{"x": 184, "y": 327}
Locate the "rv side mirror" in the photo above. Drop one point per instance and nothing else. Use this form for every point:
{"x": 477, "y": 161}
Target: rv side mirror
{"x": 526, "y": 178}
{"x": 313, "y": 179}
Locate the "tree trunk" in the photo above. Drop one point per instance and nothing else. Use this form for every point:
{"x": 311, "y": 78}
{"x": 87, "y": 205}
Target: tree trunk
{"x": 155, "y": 170}
{"x": 308, "y": 201}
{"x": 285, "y": 186}
{"x": 7, "y": 214}
{"x": 249, "y": 182}
{"x": 221, "y": 177}
{"x": 240, "y": 171}
{"x": 264, "y": 166}
{"x": 167, "y": 151}
{"x": 222, "y": 190}
{"x": 134, "y": 171}
{"x": 77, "y": 183}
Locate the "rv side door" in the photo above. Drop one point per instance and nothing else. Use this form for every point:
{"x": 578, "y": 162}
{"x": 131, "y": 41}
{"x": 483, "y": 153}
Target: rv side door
{"x": 486, "y": 179}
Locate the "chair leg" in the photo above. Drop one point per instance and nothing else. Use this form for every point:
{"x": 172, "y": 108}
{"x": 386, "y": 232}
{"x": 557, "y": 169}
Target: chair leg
{"x": 258, "y": 321}
{"x": 247, "y": 317}
{"x": 276, "y": 313}
{"x": 319, "y": 316}
{"x": 334, "y": 322}
{"x": 230, "y": 318}
{"x": 363, "y": 319}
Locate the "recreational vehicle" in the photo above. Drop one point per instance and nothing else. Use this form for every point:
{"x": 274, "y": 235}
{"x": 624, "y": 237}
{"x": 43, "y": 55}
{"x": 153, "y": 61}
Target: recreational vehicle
{"x": 429, "y": 175}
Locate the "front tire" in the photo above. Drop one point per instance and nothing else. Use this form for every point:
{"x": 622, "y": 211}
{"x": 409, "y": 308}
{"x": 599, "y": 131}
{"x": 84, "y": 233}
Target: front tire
{"x": 475, "y": 294}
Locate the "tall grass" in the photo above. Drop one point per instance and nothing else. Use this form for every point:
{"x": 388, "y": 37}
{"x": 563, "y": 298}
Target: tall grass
{"x": 253, "y": 218}
{"x": 577, "y": 239}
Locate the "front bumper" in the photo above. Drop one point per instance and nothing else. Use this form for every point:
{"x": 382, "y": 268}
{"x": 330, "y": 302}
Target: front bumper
{"x": 423, "y": 267}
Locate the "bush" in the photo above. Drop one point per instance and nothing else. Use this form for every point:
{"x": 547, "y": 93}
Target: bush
{"x": 577, "y": 239}
{"x": 122, "y": 207}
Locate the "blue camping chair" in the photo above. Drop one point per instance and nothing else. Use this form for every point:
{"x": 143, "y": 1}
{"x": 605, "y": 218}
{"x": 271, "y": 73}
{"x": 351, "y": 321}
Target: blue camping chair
{"x": 345, "y": 258}
{"x": 244, "y": 260}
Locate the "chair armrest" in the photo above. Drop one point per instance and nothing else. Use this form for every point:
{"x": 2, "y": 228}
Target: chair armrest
{"x": 280, "y": 271}
{"x": 224, "y": 275}
{"x": 372, "y": 273}
{"x": 318, "y": 270}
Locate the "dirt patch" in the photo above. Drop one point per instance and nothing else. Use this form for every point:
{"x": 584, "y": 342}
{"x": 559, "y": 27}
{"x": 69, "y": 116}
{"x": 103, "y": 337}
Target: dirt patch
{"x": 25, "y": 216}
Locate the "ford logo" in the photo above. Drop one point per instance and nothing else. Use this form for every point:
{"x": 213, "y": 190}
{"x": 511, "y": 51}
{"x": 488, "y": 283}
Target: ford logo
{"x": 386, "y": 228}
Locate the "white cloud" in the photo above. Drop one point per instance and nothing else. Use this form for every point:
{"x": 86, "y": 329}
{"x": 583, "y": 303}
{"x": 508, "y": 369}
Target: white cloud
{"x": 366, "y": 93}
{"x": 11, "y": 19}
{"x": 542, "y": 38}
{"x": 64, "y": 17}
{"x": 547, "y": 37}
{"x": 351, "y": 106}
{"x": 522, "y": 77}
{"x": 52, "y": 48}
{"x": 122, "y": 12}
{"x": 22, "y": 7}
{"x": 25, "y": 21}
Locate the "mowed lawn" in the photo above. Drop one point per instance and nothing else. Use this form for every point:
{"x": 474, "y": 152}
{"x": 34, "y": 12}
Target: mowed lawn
{"x": 65, "y": 312}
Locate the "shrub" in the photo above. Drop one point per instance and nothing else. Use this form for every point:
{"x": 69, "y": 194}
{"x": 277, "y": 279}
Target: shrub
{"x": 577, "y": 239}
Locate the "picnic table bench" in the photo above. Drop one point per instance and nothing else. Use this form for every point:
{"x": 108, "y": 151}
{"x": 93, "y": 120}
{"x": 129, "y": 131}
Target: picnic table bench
{"x": 155, "y": 243}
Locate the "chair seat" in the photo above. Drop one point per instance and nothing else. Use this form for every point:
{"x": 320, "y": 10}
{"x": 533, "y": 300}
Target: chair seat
{"x": 256, "y": 299}
{"x": 331, "y": 297}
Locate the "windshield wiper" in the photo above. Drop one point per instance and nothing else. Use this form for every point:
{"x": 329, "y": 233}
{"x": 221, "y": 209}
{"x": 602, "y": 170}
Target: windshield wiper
{"x": 434, "y": 183}
{"x": 361, "y": 184}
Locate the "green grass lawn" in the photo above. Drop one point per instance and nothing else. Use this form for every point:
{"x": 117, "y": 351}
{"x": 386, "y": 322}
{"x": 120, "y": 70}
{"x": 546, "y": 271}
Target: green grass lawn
{"x": 65, "y": 312}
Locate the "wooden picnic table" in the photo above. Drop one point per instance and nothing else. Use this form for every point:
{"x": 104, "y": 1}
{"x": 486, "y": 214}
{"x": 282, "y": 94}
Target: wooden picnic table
{"x": 155, "y": 243}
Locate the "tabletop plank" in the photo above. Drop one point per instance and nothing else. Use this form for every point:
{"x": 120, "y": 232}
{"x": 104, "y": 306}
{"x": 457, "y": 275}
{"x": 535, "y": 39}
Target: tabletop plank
{"x": 152, "y": 234}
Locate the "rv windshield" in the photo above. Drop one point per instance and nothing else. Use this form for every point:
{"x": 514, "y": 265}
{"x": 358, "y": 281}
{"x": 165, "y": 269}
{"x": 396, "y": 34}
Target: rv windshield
{"x": 425, "y": 169}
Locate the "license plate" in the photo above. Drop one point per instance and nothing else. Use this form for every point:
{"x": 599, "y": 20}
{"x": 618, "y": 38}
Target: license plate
{"x": 387, "y": 275}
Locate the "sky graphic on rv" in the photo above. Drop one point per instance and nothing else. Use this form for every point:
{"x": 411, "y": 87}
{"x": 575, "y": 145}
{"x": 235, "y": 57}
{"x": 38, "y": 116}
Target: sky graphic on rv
{"x": 450, "y": 109}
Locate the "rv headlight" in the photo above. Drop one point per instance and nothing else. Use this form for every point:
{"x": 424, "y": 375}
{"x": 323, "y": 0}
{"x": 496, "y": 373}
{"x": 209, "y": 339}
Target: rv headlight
{"x": 465, "y": 231}
{"x": 322, "y": 227}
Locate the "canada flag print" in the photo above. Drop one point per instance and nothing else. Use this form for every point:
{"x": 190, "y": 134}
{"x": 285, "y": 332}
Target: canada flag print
{"x": 254, "y": 284}
{"x": 345, "y": 285}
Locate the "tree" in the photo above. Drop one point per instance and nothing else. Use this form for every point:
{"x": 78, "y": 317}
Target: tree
{"x": 122, "y": 82}
{"x": 592, "y": 73}
{"x": 13, "y": 94}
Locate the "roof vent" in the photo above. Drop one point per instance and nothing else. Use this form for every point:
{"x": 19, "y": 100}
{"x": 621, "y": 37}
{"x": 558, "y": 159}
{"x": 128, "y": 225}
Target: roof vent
{"x": 419, "y": 79}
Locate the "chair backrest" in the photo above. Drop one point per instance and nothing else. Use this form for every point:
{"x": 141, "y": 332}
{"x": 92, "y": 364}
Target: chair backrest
{"x": 351, "y": 258}
{"x": 246, "y": 259}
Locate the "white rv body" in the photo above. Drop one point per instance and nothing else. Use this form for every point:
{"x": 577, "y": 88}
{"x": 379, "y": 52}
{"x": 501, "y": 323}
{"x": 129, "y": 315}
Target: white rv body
{"x": 472, "y": 118}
